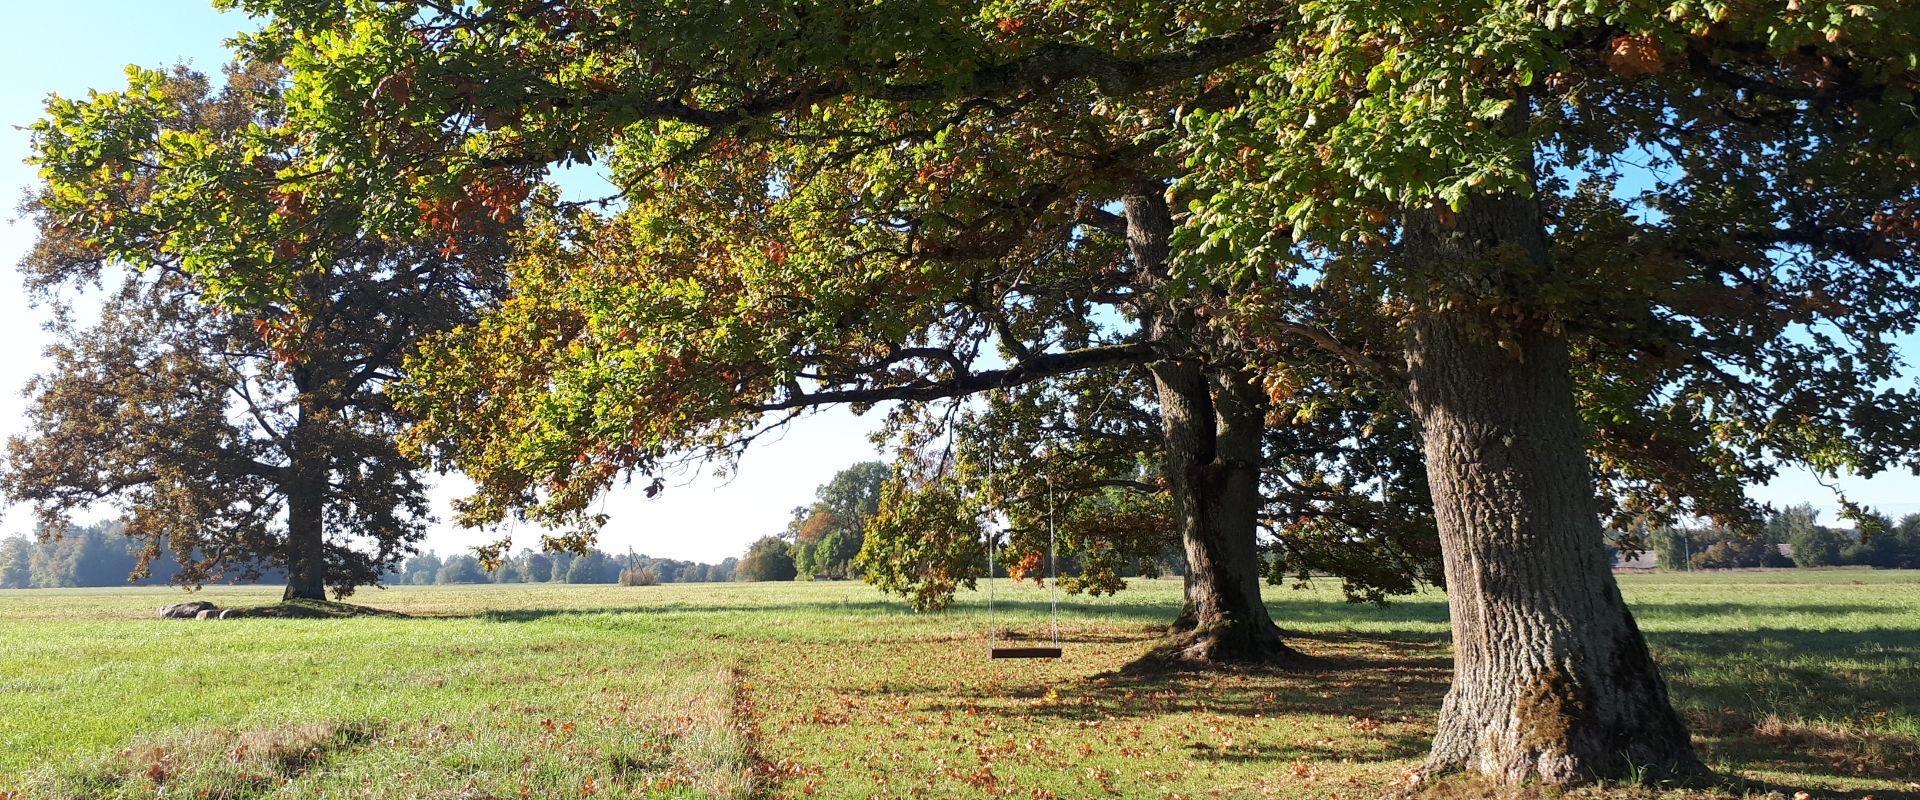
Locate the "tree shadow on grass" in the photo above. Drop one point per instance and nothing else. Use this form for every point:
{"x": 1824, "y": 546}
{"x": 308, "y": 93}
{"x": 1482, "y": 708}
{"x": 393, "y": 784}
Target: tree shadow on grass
{"x": 1801, "y": 700}
{"x": 1357, "y": 677}
{"x": 1812, "y": 748}
{"x": 1655, "y": 610}
{"x": 1290, "y": 609}
{"x": 1768, "y": 716}
{"x": 1797, "y": 673}
{"x": 864, "y": 607}
{"x": 311, "y": 609}
{"x": 1381, "y": 694}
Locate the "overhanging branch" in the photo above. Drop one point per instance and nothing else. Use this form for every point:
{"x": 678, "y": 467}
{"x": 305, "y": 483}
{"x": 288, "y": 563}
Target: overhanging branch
{"x": 1037, "y": 368}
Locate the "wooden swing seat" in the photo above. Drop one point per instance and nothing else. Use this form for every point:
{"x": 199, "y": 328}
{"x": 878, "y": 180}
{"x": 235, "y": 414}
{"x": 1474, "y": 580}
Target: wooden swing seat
{"x": 1025, "y": 652}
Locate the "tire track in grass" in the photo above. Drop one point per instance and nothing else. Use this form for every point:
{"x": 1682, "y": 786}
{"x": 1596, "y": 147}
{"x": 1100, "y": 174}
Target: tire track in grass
{"x": 762, "y": 777}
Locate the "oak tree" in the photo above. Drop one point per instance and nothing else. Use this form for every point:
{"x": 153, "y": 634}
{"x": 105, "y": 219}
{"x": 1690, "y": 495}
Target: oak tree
{"x": 238, "y": 439}
{"x": 951, "y": 194}
{"x": 1675, "y": 238}
{"x": 1613, "y": 258}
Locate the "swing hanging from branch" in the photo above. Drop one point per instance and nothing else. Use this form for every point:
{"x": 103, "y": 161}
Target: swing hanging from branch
{"x": 994, "y": 649}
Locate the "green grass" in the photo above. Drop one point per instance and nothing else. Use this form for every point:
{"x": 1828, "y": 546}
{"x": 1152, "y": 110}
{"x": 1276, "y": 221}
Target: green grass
{"x": 1792, "y": 680}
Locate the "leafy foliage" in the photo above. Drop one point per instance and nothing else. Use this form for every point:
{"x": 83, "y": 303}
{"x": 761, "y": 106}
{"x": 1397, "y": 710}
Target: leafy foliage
{"x": 16, "y": 563}
{"x": 461, "y": 569}
{"x": 786, "y": 149}
{"x": 1814, "y": 545}
{"x": 1888, "y": 546}
{"x": 828, "y": 534}
{"x": 767, "y": 559}
{"x": 1730, "y": 192}
{"x": 238, "y": 437}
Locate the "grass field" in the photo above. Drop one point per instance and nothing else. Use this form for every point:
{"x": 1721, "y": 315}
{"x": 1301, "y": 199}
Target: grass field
{"x": 1793, "y": 680}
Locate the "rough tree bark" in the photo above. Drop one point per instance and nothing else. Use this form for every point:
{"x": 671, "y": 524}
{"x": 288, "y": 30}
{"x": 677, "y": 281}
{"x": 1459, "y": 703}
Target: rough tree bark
{"x": 1212, "y": 452}
{"x": 1552, "y": 680}
{"x": 306, "y": 545}
{"x": 306, "y": 554}
{"x": 1211, "y": 422}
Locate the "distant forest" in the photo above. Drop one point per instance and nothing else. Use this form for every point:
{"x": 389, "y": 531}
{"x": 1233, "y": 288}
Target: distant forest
{"x": 100, "y": 555}
{"x": 89, "y": 555}
{"x": 531, "y": 566}
{"x": 1791, "y": 537}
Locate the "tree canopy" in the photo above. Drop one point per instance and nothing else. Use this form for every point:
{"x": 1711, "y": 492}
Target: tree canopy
{"x": 827, "y": 535}
{"x": 769, "y": 558}
{"x": 237, "y": 438}
{"x": 1596, "y": 259}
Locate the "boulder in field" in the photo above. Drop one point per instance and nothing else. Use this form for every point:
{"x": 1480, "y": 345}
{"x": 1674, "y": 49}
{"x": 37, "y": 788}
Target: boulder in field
{"x": 188, "y": 610}
{"x": 211, "y": 613}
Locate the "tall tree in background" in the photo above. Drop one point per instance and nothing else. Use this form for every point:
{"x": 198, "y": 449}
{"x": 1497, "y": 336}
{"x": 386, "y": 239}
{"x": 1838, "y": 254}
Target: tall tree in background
{"x": 424, "y": 568}
{"x": 91, "y": 555}
{"x": 464, "y": 569}
{"x": 16, "y": 563}
{"x": 1814, "y": 545}
{"x": 769, "y": 558}
{"x": 1886, "y": 544}
{"x": 239, "y": 441}
{"x": 828, "y": 534}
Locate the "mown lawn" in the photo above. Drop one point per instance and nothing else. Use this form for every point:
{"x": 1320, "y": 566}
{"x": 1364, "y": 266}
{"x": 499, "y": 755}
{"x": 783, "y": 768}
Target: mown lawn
{"x": 1793, "y": 681}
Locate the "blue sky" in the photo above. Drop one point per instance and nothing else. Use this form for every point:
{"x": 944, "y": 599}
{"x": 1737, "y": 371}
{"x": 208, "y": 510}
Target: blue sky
{"x": 70, "y": 46}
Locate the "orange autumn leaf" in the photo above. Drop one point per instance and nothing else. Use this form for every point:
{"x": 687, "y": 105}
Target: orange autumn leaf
{"x": 1634, "y": 56}
{"x": 1028, "y": 564}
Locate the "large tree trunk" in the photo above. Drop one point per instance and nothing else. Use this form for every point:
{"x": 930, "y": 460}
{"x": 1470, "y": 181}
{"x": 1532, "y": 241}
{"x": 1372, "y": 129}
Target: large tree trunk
{"x": 1552, "y": 680}
{"x": 1212, "y": 453}
{"x": 305, "y": 489}
{"x": 1211, "y": 421}
{"x": 306, "y": 545}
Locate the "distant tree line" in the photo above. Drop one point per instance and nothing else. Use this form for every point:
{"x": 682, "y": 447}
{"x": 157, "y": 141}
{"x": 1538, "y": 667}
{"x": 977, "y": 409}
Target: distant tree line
{"x": 530, "y": 566}
{"x": 101, "y": 554}
{"x": 104, "y": 554}
{"x": 1792, "y": 537}
{"x": 823, "y": 541}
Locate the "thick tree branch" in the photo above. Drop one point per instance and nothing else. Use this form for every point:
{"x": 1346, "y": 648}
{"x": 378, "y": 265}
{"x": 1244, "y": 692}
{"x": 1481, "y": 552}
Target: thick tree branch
{"x": 1037, "y": 368}
{"x": 1041, "y": 70}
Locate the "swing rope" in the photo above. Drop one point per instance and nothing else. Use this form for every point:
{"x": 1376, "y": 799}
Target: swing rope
{"x": 1053, "y": 594}
{"x": 993, "y": 624}
{"x": 1053, "y": 570}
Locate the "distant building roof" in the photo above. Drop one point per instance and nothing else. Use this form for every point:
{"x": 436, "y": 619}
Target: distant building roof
{"x": 1638, "y": 561}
